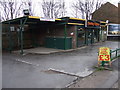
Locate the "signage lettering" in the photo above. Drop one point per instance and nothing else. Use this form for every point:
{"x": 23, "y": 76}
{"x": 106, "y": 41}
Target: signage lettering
{"x": 104, "y": 54}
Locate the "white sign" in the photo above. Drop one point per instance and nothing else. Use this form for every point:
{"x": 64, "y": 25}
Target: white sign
{"x": 12, "y": 28}
{"x": 47, "y": 19}
{"x": 105, "y": 32}
{"x": 71, "y": 33}
{"x": 86, "y": 23}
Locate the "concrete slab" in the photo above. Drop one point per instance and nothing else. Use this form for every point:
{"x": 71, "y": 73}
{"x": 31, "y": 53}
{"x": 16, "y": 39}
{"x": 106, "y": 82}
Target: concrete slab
{"x": 39, "y": 50}
{"x": 79, "y": 74}
{"x": 44, "y": 50}
{"x": 101, "y": 79}
{"x": 116, "y": 85}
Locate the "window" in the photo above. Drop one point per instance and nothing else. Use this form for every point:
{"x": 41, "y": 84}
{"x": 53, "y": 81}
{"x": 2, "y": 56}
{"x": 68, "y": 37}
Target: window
{"x": 114, "y": 27}
{"x": 12, "y": 28}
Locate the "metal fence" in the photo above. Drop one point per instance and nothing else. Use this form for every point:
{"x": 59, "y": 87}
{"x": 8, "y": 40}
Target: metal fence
{"x": 115, "y": 53}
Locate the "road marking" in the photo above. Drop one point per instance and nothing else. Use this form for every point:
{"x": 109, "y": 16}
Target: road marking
{"x": 85, "y": 73}
{"x": 27, "y": 62}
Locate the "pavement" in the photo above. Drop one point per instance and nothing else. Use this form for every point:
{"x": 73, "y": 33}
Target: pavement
{"x": 116, "y": 85}
{"x": 100, "y": 79}
{"x": 32, "y": 71}
{"x": 39, "y": 50}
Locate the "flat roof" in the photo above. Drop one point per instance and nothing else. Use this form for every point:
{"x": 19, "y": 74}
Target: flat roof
{"x": 36, "y": 19}
{"x": 102, "y": 22}
{"x": 77, "y": 19}
{"x": 30, "y": 19}
{"x": 71, "y": 18}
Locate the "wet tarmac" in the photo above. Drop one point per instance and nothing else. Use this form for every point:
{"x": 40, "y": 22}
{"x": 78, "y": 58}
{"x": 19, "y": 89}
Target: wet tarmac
{"x": 28, "y": 71}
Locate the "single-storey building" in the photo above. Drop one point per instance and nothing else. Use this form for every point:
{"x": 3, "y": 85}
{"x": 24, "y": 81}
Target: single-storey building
{"x": 63, "y": 33}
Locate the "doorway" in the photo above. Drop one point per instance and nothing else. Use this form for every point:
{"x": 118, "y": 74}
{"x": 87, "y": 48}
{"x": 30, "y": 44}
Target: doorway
{"x": 80, "y": 37}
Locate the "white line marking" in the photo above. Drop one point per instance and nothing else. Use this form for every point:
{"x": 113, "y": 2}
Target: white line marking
{"x": 27, "y": 62}
{"x": 79, "y": 74}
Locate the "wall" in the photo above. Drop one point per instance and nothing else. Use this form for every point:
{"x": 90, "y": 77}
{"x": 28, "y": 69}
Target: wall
{"x": 5, "y": 38}
{"x": 38, "y": 35}
{"x": 58, "y": 31}
{"x": 14, "y": 37}
{"x": 35, "y": 36}
{"x": 70, "y": 29}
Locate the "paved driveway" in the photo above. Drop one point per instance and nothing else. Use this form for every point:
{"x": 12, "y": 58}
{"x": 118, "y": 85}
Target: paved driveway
{"x": 29, "y": 71}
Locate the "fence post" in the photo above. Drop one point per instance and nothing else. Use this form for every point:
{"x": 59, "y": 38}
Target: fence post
{"x": 110, "y": 55}
{"x": 116, "y": 52}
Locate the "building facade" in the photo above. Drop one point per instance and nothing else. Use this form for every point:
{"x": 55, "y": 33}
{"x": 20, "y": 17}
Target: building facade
{"x": 63, "y": 33}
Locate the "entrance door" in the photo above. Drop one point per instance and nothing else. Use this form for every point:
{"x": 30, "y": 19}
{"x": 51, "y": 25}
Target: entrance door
{"x": 95, "y": 35}
{"x": 89, "y": 37}
{"x": 81, "y": 37}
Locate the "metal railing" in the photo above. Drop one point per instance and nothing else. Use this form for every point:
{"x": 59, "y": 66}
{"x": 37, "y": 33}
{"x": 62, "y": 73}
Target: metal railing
{"x": 114, "y": 53}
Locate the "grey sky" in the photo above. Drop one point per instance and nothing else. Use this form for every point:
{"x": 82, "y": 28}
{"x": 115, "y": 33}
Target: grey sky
{"x": 115, "y": 2}
{"x": 38, "y": 9}
{"x": 68, "y": 5}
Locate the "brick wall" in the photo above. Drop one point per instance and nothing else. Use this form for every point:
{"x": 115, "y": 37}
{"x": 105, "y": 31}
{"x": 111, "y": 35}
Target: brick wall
{"x": 36, "y": 35}
{"x": 58, "y": 31}
{"x": 70, "y": 29}
{"x": 15, "y": 37}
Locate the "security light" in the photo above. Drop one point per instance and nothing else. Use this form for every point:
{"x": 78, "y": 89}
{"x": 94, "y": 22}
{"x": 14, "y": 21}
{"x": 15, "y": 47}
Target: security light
{"x": 26, "y": 12}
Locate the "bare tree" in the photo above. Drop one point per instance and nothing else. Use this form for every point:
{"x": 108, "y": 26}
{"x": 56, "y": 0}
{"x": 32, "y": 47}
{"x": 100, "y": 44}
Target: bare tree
{"x": 53, "y": 9}
{"x": 0, "y": 15}
{"x": 76, "y": 12}
{"x": 63, "y": 8}
{"x": 10, "y": 9}
{"x": 87, "y": 7}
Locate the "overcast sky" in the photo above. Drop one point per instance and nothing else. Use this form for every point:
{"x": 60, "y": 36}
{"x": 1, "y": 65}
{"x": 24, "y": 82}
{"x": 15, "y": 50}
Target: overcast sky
{"x": 115, "y": 2}
{"x": 68, "y": 5}
{"x": 38, "y": 8}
